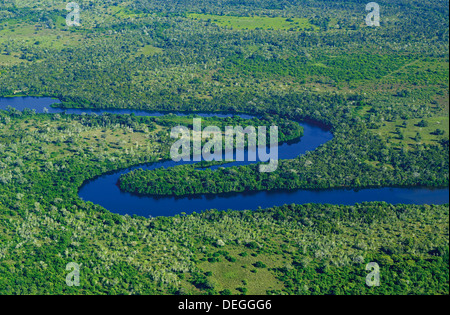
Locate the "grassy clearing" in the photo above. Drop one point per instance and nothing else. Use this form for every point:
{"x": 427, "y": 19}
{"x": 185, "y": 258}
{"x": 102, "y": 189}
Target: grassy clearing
{"x": 11, "y": 59}
{"x": 149, "y": 50}
{"x": 256, "y": 22}
{"x": 389, "y": 130}
{"x": 242, "y": 273}
{"x": 120, "y": 11}
{"x": 74, "y": 137}
{"x": 27, "y": 34}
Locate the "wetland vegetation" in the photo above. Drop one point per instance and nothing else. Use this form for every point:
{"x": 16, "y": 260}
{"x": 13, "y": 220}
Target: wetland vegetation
{"x": 383, "y": 91}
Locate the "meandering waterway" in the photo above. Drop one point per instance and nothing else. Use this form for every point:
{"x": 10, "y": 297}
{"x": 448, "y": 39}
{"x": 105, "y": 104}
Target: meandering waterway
{"x": 104, "y": 191}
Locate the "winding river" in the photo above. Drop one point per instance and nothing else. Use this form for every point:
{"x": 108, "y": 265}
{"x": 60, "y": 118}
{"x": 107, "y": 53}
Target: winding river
{"x": 104, "y": 191}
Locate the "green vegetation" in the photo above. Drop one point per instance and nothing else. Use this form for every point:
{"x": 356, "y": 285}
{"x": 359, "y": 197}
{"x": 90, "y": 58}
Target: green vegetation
{"x": 377, "y": 166}
{"x": 383, "y": 92}
{"x": 255, "y": 22}
{"x": 402, "y": 133}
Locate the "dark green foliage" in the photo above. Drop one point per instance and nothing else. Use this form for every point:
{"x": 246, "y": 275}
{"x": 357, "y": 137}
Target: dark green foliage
{"x": 318, "y": 170}
{"x": 422, "y": 123}
{"x": 259, "y": 264}
{"x": 149, "y": 55}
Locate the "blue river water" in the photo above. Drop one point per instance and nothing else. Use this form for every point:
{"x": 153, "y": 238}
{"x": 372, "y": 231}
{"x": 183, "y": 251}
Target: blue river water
{"x": 104, "y": 191}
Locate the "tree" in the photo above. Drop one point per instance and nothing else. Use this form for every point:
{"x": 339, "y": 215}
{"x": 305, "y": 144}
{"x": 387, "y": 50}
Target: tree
{"x": 423, "y": 123}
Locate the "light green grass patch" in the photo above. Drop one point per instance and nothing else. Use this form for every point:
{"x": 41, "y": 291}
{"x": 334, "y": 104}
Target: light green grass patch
{"x": 149, "y": 50}
{"x": 260, "y": 22}
{"x": 34, "y": 35}
{"x": 388, "y": 130}
{"x": 122, "y": 12}
{"x": 241, "y": 273}
{"x": 10, "y": 59}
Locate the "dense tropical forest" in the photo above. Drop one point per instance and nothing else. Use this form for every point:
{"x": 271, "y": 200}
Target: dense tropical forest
{"x": 382, "y": 91}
